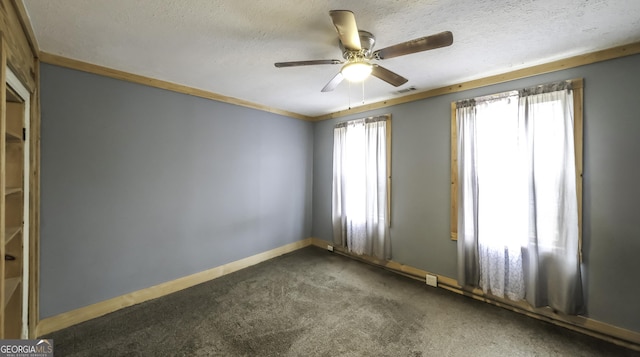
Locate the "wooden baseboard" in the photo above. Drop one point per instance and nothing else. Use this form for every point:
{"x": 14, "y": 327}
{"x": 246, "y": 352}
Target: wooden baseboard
{"x": 93, "y": 311}
{"x": 610, "y": 333}
{"x": 582, "y": 324}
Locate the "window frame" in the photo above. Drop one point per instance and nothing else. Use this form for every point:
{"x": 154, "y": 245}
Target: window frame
{"x": 578, "y": 101}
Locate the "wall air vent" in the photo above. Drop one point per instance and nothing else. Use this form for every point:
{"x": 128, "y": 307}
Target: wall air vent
{"x": 405, "y": 90}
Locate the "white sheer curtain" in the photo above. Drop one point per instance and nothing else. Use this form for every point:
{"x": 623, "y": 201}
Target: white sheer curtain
{"x": 359, "y": 204}
{"x": 517, "y": 220}
{"x": 468, "y": 253}
{"x": 552, "y": 257}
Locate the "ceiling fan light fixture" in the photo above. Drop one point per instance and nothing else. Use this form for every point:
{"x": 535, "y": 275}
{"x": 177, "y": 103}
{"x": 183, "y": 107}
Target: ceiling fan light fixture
{"x": 356, "y": 71}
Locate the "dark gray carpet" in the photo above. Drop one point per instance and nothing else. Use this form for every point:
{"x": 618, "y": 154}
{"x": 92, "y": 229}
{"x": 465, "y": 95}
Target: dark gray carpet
{"x": 315, "y": 303}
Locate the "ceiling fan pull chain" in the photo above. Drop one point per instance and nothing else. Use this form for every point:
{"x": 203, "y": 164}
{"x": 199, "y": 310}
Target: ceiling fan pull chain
{"x": 349, "y": 95}
{"x": 362, "y": 92}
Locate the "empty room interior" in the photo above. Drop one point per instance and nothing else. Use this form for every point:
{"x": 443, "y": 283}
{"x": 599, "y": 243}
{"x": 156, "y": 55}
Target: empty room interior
{"x": 155, "y": 147}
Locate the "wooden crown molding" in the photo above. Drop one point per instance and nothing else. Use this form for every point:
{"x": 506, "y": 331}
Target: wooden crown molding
{"x": 571, "y": 62}
{"x": 23, "y": 17}
{"x": 157, "y": 83}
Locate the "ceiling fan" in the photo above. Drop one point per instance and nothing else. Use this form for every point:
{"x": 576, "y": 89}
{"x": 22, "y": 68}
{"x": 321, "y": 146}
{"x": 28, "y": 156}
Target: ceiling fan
{"x": 357, "y": 50}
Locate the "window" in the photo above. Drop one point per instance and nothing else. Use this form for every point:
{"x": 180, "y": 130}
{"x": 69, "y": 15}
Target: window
{"x": 516, "y": 193}
{"x": 361, "y": 182}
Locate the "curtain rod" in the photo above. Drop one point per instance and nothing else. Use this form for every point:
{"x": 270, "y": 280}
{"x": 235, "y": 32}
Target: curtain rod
{"x": 541, "y": 88}
{"x": 371, "y": 119}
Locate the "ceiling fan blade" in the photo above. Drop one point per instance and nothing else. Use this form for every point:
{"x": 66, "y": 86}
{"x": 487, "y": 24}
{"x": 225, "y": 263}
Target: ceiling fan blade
{"x": 333, "y": 83}
{"x": 305, "y": 63}
{"x": 441, "y": 39}
{"x": 345, "y": 23}
{"x": 386, "y": 75}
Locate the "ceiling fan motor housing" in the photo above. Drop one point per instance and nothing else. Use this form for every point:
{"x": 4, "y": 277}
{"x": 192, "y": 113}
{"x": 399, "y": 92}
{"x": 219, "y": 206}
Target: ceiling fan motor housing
{"x": 367, "y": 41}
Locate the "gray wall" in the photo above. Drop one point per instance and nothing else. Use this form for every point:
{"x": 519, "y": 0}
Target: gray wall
{"x": 421, "y": 184}
{"x": 141, "y": 186}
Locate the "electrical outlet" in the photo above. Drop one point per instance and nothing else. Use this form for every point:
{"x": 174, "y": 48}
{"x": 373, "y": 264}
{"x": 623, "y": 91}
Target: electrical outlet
{"x": 432, "y": 280}
{"x": 330, "y": 248}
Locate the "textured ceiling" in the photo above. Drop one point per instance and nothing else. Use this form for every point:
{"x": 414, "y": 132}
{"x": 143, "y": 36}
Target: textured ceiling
{"x": 229, "y": 46}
